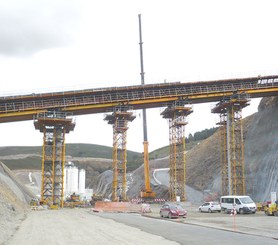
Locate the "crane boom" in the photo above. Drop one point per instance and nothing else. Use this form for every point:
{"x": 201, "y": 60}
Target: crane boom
{"x": 147, "y": 192}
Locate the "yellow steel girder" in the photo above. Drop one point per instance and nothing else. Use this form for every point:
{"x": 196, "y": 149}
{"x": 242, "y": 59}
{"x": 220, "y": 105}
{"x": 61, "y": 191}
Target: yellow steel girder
{"x": 155, "y": 101}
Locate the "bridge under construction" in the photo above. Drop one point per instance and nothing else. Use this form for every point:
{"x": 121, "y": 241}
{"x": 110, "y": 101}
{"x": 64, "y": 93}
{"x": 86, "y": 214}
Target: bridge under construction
{"x": 52, "y": 114}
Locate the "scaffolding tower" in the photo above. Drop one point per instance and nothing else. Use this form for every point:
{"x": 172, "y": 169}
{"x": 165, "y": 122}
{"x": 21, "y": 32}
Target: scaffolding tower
{"x": 54, "y": 125}
{"x": 119, "y": 119}
{"x": 232, "y": 143}
{"x": 177, "y": 114}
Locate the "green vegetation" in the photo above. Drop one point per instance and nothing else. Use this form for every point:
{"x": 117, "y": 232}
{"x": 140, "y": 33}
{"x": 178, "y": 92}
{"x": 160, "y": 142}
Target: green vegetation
{"x": 201, "y": 135}
{"x": 134, "y": 159}
{"x": 164, "y": 151}
{"x": 191, "y": 141}
{"x": 15, "y": 150}
{"x": 32, "y": 160}
{"x": 24, "y": 163}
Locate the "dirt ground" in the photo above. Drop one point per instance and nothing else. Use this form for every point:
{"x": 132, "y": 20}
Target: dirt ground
{"x": 78, "y": 226}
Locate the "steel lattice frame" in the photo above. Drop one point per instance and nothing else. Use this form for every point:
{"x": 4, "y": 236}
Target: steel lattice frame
{"x": 54, "y": 127}
{"x": 177, "y": 116}
{"x": 237, "y": 156}
{"x": 223, "y": 154}
{"x": 232, "y": 145}
{"x": 119, "y": 119}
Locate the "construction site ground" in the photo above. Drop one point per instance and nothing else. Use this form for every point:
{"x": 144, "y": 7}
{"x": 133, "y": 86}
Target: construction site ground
{"x": 255, "y": 224}
{"x": 80, "y": 225}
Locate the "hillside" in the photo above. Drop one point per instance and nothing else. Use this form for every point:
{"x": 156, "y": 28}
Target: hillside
{"x": 203, "y": 164}
{"x": 260, "y": 143}
{"x": 203, "y": 160}
{"x": 261, "y": 155}
{"x": 14, "y": 200}
{"x": 22, "y": 157}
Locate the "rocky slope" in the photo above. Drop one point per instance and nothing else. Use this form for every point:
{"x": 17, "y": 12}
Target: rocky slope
{"x": 261, "y": 154}
{"x": 203, "y": 161}
{"x": 261, "y": 151}
{"x": 14, "y": 199}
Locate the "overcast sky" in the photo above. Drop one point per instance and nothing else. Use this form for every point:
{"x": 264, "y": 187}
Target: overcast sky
{"x": 56, "y": 45}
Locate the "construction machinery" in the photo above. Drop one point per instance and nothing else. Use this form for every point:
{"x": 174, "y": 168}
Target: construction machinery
{"x": 74, "y": 201}
{"x": 34, "y": 204}
{"x": 147, "y": 193}
{"x": 95, "y": 198}
{"x": 271, "y": 209}
{"x": 54, "y": 206}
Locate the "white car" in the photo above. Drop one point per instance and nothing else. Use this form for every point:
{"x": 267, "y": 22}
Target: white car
{"x": 210, "y": 207}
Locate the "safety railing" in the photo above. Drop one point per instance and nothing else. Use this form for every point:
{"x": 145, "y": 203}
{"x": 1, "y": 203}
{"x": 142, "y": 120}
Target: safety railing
{"x": 132, "y": 93}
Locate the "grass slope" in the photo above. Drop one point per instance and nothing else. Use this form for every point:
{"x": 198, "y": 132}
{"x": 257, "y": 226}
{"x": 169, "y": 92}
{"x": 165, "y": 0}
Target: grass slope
{"x": 33, "y": 161}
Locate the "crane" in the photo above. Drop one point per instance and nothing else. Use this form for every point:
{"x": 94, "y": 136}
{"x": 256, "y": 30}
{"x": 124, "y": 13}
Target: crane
{"x": 147, "y": 193}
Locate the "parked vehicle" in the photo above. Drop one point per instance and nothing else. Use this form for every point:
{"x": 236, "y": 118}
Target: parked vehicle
{"x": 210, "y": 207}
{"x": 172, "y": 211}
{"x": 242, "y": 204}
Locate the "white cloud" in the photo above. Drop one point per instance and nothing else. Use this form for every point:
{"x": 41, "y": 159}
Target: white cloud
{"x": 29, "y": 26}
{"x": 76, "y": 44}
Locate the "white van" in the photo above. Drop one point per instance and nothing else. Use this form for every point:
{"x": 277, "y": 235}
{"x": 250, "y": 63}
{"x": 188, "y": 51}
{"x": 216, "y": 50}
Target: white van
{"x": 242, "y": 204}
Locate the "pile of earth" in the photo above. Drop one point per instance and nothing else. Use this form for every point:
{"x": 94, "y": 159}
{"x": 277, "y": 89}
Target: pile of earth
{"x": 14, "y": 200}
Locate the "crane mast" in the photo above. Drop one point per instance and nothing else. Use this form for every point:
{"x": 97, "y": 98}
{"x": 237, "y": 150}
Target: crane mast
{"x": 147, "y": 192}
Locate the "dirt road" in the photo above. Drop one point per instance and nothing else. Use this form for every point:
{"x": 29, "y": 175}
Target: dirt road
{"x": 78, "y": 226}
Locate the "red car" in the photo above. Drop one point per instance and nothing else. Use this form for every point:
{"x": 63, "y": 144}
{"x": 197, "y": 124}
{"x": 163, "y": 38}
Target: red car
{"x": 172, "y": 211}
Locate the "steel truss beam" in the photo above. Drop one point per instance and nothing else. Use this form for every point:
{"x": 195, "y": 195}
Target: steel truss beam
{"x": 101, "y": 100}
{"x": 119, "y": 119}
{"x": 176, "y": 115}
{"x": 54, "y": 126}
{"x": 232, "y": 144}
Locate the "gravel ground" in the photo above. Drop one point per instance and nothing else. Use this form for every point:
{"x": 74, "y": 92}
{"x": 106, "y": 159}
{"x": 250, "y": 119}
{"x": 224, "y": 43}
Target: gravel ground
{"x": 78, "y": 226}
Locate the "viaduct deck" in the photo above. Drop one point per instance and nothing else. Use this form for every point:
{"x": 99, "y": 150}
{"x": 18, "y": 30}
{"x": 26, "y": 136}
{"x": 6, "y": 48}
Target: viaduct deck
{"x": 101, "y": 100}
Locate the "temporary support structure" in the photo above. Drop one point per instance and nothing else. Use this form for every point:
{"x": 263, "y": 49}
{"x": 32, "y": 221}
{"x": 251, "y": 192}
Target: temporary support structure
{"x": 54, "y": 125}
{"x": 232, "y": 144}
{"x": 119, "y": 119}
{"x": 176, "y": 115}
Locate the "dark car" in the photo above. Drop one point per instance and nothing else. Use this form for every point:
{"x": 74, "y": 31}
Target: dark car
{"x": 172, "y": 211}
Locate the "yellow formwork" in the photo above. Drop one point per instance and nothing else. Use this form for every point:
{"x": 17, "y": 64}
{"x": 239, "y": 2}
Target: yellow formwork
{"x": 232, "y": 145}
{"x": 54, "y": 126}
{"x": 176, "y": 115}
{"x": 119, "y": 119}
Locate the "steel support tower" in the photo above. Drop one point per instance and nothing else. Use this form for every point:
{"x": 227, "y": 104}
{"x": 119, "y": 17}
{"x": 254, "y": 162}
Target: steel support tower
{"x": 177, "y": 114}
{"x": 54, "y": 125}
{"x": 232, "y": 144}
{"x": 119, "y": 119}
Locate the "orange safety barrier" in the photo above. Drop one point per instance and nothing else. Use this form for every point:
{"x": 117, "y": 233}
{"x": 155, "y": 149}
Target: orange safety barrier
{"x": 117, "y": 206}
